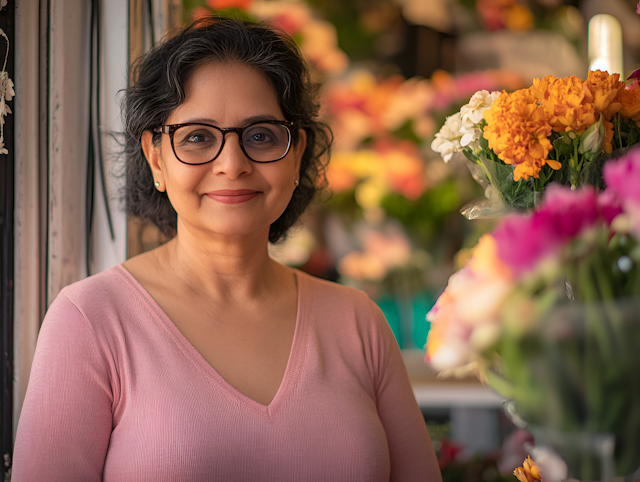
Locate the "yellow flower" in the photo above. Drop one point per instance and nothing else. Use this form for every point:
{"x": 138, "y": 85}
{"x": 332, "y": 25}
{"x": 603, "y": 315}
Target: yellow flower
{"x": 517, "y": 131}
{"x": 529, "y": 472}
{"x": 484, "y": 259}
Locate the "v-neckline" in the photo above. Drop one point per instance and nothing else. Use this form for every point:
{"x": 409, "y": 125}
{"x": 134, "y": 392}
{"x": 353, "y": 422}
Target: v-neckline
{"x": 294, "y": 363}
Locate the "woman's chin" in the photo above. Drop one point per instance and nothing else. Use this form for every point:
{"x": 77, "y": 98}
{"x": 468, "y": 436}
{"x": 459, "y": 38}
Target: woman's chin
{"x": 229, "y": 230}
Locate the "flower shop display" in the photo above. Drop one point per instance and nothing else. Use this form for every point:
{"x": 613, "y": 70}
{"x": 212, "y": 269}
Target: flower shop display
{"x": 557, "y": 130}
{"x": 546, "y": 312}
{"x": 317, "y": 39}
{"x": 523, "y": 16}
{"x": 382, "y": 128}
{"x": 391, "y": 271}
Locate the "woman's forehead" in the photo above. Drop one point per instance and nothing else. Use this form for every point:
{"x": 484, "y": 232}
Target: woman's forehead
{"x": 224, "y": 92}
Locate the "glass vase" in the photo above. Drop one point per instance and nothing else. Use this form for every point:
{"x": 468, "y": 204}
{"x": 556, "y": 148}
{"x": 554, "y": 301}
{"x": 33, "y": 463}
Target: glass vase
{"x": 574, "y": 375}
{"x": 589, "y": 456}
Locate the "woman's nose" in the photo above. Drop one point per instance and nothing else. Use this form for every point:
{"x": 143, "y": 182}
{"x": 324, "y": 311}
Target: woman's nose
{"x": 232, "y": 160}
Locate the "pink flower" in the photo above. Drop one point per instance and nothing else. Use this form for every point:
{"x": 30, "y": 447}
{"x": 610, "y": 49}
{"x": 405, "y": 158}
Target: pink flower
{"x": 638, "y": 8}
{"x": 520, "y": 244}
{"x": 513, "y": 451}
{"x": 623, "y": 177}
{"x": 609, "y": 205}
{"x": 523, "y": 241}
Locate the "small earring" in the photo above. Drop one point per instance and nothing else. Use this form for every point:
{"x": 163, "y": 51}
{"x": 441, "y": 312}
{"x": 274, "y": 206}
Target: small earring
{"x": 296, "y": 182}
{"x": 157, "y": 184}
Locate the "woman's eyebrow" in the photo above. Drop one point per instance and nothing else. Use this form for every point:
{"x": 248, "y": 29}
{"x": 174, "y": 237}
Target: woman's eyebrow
{"x": 244, "y": 122}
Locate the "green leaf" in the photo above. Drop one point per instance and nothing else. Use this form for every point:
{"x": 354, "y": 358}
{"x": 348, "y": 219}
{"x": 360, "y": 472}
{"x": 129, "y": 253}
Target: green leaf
{"x": 484, "y": 143}
{"x": 470, "y": 155}
{"x": 634, "y": 136}
{"x": 562, "y": 148}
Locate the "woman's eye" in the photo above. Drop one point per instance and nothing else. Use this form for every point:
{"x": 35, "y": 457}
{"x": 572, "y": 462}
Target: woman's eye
{"x": 196, "y": 138}
{"x": 259, "y": 136}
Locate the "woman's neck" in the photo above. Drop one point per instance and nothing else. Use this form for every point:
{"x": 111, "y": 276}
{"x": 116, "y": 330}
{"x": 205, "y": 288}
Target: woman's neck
{"x": 223, "y": 267}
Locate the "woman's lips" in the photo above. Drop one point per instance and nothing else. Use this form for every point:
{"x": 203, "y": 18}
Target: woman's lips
{"x": 232, "y": 196}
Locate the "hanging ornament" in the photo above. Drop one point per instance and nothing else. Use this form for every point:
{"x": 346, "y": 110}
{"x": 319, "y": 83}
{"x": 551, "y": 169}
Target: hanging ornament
{"x": 6, "y": 90}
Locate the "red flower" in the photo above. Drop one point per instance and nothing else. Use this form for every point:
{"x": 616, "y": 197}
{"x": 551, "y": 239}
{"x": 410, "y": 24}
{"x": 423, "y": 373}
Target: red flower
{"x": 448, "y": 452}
{"x": 222, "y": 4}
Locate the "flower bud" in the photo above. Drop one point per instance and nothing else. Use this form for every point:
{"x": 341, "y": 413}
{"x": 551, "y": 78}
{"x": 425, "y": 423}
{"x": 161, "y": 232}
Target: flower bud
{"x": 520, "y": 475}
{"x": 591, "y": 141}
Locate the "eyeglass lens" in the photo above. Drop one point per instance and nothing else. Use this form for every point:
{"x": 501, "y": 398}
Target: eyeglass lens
{"x": 198, "y": 144}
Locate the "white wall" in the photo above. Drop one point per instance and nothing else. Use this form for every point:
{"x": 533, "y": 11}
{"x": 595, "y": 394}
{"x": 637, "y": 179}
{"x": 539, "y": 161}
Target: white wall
{"x": 28, "y": 246}
{"x": 51, "y": 158}
{"x": 108, "y": 253}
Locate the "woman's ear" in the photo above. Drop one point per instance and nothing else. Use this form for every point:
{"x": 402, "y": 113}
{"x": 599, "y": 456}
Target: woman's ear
{"x": 152, "y": 153}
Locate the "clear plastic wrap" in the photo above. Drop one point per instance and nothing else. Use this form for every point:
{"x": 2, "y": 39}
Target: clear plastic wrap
{"x": 503, "y": 195}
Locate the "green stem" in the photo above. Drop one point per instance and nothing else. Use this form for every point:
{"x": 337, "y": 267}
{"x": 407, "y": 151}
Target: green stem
{"x": 574, "y": 165}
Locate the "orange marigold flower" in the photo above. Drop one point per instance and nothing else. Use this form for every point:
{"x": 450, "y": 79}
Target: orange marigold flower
{"x": 567, "y": 101}
{"x": 630, "y": 101}
{"x": 604, "y": 88}
{"x": 517, "y": 131}
{"x": 608, "y": 136}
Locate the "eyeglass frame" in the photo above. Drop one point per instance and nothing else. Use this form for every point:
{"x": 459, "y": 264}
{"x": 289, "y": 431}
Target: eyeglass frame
{"x": 170, "y": 130}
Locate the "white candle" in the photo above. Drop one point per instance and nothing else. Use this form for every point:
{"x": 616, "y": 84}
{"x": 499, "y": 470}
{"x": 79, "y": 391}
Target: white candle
{"x": 605, "y": 44}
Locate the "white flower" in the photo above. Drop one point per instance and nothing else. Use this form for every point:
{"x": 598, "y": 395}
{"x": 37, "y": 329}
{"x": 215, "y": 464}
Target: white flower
{"x": 472, "y": 113}
{"x": 3, "y": 150}
{"x": 551, "y": 466}
{"x": 470, "y": 137}
{"x": 447, "y": 141}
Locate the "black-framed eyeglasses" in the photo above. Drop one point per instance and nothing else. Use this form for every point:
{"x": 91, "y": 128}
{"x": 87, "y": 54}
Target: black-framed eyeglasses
{"x": 263, "y": 141}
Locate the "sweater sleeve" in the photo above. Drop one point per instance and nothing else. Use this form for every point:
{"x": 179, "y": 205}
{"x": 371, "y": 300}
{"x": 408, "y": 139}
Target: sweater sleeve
{"x": 66, "y": 420}
{"x": 410, "y": 449}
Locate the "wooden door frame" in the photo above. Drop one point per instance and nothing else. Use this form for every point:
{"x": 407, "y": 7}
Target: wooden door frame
{"x": 7, "y": 184}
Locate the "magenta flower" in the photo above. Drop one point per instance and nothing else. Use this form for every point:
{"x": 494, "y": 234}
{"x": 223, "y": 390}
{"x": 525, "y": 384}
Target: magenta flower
{"x": 638, "y": 8}
{"x": 636, "y": 73}
{"x": 567, "y": 211}
{"x": 523, "y": 241}
{"x": 622, "y": 177}
{"x": 609, "y": 205}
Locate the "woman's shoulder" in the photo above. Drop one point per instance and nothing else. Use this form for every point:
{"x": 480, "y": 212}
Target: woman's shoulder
{"x": 323, "y": 289}
{"x": 101, "y": 296}
{"x": 108, "y": 284}
{"x": 330, "y": 297}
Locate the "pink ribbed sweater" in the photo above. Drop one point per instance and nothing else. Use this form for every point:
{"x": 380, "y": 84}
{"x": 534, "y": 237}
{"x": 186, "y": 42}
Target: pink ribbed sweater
{"x": 118, "y": 394}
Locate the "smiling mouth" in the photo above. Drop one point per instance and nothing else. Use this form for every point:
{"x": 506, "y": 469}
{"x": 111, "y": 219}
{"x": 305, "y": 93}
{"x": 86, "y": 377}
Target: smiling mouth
{"x": 233, "y": 196}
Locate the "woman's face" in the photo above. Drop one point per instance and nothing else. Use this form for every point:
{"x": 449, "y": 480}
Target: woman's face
{"x": 231, "y": 195}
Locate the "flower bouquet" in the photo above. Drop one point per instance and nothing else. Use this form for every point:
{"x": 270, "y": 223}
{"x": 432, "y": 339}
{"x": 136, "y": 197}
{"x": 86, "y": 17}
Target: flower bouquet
{"x": 558, "y": 130}
{"x": 547, "y": 312}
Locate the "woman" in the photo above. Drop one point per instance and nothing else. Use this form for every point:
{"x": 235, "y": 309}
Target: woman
{"x": 204, "y": 359}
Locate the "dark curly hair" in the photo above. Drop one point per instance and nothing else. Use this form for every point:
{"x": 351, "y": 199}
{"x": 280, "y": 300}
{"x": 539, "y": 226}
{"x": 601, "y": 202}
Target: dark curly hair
{"x": 160, "y": 76}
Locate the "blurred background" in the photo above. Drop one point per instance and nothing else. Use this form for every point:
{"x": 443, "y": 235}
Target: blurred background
{"x": 389, "y": 222}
